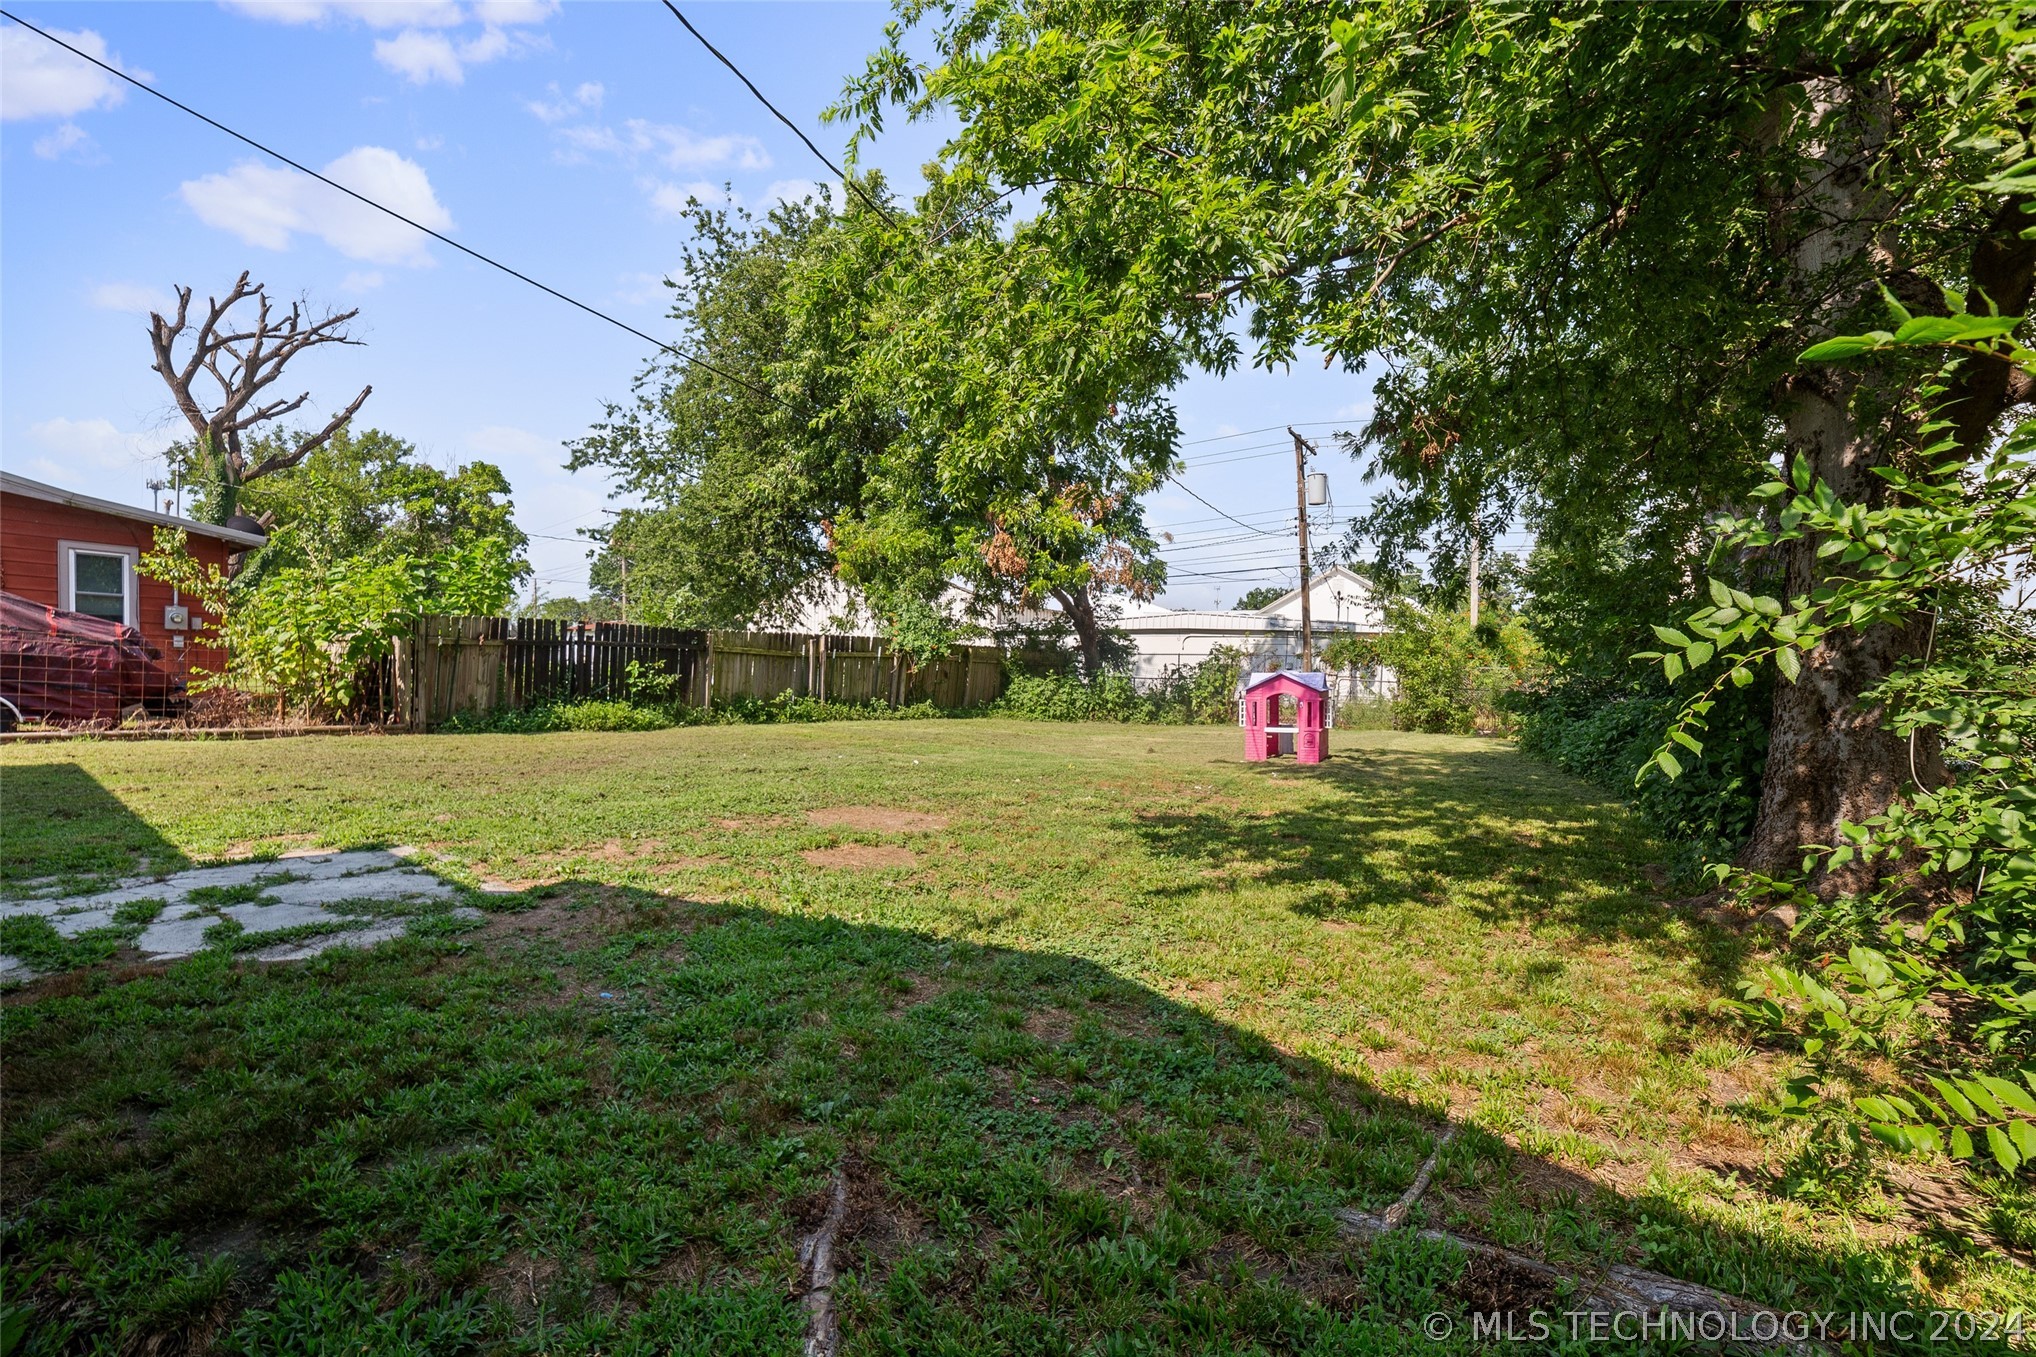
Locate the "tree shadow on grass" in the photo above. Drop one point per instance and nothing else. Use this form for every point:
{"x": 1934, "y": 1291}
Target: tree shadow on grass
{"x": 56, "y": 820}
{"x": 603, "y": 1119}
{"x": 1493, "y": 832}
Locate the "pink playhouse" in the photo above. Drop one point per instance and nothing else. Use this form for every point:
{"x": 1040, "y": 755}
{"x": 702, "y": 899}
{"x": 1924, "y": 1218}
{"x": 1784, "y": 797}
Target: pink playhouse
{"x": 1286, "y": 710}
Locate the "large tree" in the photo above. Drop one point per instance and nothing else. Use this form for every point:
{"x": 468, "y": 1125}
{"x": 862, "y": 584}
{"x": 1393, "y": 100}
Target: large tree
{"x": 1584, "y": 243}
{"x": 364, "y": 496}
{"x": 243, "y": 356}
{"x": 879, "y": 404}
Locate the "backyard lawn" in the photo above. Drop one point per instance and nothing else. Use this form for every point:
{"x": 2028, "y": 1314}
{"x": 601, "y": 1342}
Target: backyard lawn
{"x": 1100, "y": 1025}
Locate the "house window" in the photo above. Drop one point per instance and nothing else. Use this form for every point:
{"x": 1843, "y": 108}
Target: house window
{"x": 98, "y": 581}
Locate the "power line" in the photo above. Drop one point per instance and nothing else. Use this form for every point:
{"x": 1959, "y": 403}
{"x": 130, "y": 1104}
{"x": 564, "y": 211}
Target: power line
{"x": 1270, "y": 428}
{"x": 700, "y": 363}
{"x": 750, "y": 85}
{"x": 1238, "y": 521}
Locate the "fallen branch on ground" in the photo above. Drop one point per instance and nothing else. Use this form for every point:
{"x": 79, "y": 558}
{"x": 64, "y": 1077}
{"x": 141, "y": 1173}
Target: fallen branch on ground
{"x": 1618, "y": 1290}
{"x": 816, "y": 1257}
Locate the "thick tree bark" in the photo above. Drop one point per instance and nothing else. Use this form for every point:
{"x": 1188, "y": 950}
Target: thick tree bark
{"x": 1081, "y": 615}
{"x": 1830, "y": 760}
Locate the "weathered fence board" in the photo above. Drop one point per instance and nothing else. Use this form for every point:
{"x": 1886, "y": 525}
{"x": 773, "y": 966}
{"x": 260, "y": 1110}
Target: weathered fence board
{"x": 472, "y": 664}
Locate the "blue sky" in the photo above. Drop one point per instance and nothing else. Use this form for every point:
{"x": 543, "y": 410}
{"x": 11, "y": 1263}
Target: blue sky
{"x": 557, "y": 139}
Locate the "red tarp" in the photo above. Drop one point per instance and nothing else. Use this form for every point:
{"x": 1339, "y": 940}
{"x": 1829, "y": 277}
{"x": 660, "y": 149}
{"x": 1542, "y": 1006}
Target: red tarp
{"x": 71, "y": 667}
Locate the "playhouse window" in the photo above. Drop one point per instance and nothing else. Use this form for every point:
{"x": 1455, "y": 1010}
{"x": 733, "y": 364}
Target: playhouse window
{"x": 99, "y": 582}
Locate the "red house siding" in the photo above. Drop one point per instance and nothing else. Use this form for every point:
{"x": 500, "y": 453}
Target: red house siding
{"x": 30, "y": 563}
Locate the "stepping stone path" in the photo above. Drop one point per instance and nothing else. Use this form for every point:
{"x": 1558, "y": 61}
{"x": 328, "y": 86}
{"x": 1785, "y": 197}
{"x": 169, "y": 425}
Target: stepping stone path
{"x": 366, "y": 896}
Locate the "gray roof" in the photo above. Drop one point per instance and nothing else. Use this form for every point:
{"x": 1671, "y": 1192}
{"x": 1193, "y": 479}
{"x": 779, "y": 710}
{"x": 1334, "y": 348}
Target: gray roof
{"x": 21, "y": 485}
{"x": 1307, "y": 676}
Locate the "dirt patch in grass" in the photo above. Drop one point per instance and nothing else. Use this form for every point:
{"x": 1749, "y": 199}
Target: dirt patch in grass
{"x": 923, "y": 989}
{"x": 241, "y": 849}
{"x": 1051, "y": 1025}
{"x": 623, "y": 850}
{"x": 552, "y": 921}
{"x": 879, "y": 819}
{"x": 853, "y": 855}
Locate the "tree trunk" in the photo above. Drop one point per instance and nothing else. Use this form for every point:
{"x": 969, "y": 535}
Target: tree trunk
{"x": 1081, "y": 615}
{"x": 1829, "y": 760}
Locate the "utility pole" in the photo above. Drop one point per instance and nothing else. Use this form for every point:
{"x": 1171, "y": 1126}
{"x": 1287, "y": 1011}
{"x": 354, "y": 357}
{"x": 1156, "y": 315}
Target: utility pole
{"x": 1301, "y": 512}
{"x": 1473, "y": 568}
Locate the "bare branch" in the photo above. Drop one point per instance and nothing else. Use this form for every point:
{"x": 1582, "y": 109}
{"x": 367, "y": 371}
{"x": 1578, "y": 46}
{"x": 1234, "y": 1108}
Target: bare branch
{"x": 244, "y": 362}
{"x": 313, "y": 443}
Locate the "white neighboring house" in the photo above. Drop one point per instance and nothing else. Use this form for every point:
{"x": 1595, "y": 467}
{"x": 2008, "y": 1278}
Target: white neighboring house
{"x": 1340, "y": 602}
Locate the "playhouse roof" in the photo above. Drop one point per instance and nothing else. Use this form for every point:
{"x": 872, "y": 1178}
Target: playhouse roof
{"x": 1319, "y": 682}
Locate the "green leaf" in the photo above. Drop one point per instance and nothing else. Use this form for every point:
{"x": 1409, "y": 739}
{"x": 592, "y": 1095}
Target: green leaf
{"x": 1672, "y": 665}
{"x": 2003, "y": 1149}
{"x": 2008, "y": 1095}
{"x": 1835, "y": 350}
{"x": 1669, "y": 763}
{"x": 1700, "y": 653}
{"x": 1959, "y": 1104}
{"x": 1673, "y": 637}
{"x": 1789, "y": 663}
{"x": 1961, "y": 1143}
{"x": 1720, "y": 595}
{"x": 1981, "y": 1098}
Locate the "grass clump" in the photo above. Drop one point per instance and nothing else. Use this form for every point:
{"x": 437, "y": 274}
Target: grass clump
{"x": 1101, "y": 1025}
{"x": 604, "y": 715}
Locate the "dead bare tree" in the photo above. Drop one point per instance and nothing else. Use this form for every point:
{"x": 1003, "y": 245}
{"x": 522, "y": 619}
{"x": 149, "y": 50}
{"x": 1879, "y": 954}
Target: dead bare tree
{"x": 244, "y": 362}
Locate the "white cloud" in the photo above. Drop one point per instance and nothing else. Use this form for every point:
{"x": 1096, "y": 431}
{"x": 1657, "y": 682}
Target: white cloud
{"x": 423, "y": 57}
{"x": 266, "y": 206}
{"x": 77, "y": 445}
{"x": 640, "y": 289}
{"x": 430, "y": 143}
{"x": 65, "y": 139}
{"x": 678, "y": 148}
{"x": 683, "y": 149}
{"x": 374, "y": 13}
{"x": 422, "y": 51}
{"x": 562, "y": 105}
{"x": 135, "y": 298}
{"x": 38, "y": 79}
{"x": 361, "y": 280}
{"x": 503, "y": 440}
{"x": 670, "y": 200}
{"x": 1358, "y": 411}
{"x": 514, "y": 11}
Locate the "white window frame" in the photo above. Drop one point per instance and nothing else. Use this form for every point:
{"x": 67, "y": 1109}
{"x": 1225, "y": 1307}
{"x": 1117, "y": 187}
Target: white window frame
{"x": 67, "y": 576}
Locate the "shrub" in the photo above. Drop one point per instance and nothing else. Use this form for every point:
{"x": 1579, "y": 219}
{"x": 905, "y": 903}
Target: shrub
{"x": 1205, "y": 694}
{"x": 1453, "y": 677}
{"x": 1586, "y": 727}
{"x": 306, "y": 633}
{"x": 603, "y": 714}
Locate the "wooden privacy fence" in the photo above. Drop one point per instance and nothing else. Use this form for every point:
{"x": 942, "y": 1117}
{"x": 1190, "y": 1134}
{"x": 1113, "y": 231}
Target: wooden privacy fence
{"x": 476, "y": 664}
{"x": 847, "y": 669}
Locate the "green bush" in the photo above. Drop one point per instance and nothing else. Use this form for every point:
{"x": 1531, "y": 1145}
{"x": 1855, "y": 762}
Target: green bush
{"x": 601, "y": 714}
{"x": 1203, "y": 695}
{"x": 1588, "y": 728}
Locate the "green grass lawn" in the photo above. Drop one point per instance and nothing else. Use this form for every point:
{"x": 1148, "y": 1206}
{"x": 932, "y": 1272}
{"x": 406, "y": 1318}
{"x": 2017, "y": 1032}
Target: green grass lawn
{"x": 1103, "y": 1023}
